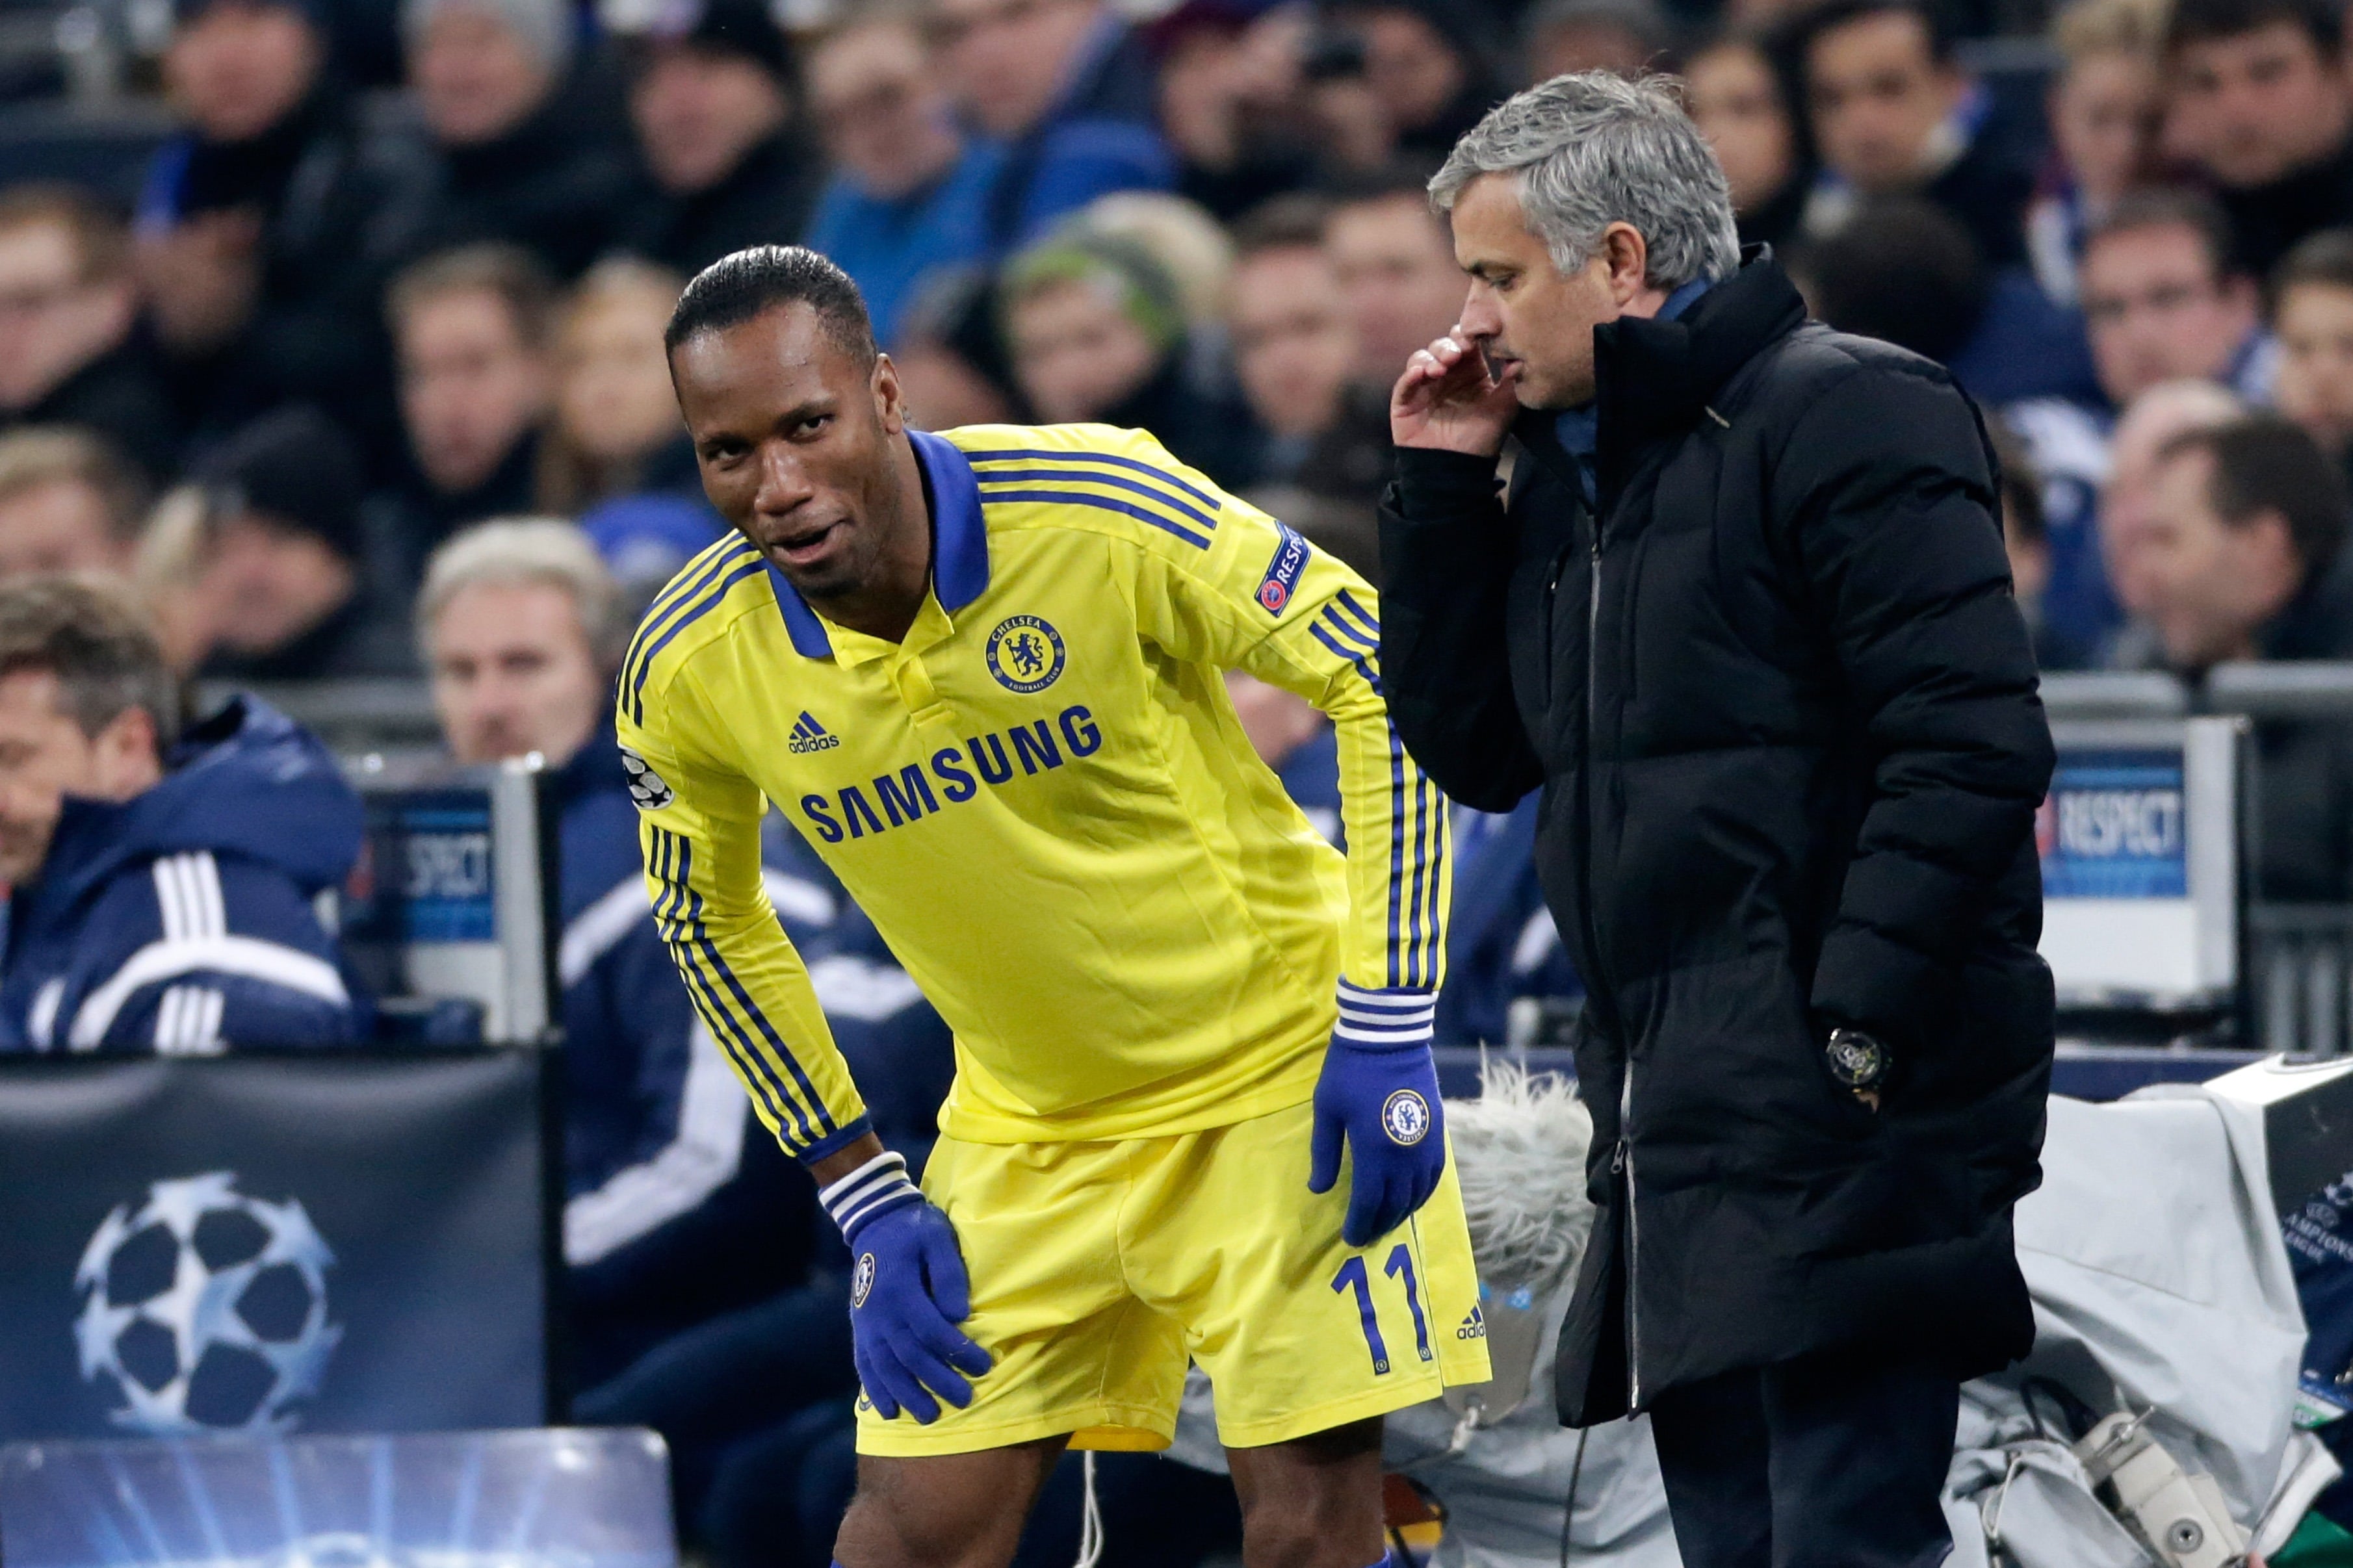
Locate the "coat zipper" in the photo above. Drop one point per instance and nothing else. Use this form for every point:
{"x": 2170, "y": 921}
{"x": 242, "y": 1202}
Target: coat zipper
{"x": 1624, "y": 1158}
{"x": 1633, "y": 1237}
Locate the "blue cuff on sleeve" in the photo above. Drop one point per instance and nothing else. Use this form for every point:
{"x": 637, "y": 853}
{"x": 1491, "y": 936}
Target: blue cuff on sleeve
{"x": 834, "y": 1142}
{"x": 1385, "y": 1020}
{"x": 870, "y": 1191}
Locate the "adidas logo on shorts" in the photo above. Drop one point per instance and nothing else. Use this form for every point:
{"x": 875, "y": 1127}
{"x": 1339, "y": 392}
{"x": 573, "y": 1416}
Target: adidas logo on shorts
{"x": 1474, "y": 1327}
{"x": 808, "y": 735}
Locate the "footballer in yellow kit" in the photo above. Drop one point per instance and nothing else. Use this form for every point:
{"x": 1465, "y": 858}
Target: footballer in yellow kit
{"x": 982, "y": 673}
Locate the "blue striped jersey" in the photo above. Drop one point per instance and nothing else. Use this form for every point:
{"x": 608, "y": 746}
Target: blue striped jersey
{"x": 1042, "y": 798}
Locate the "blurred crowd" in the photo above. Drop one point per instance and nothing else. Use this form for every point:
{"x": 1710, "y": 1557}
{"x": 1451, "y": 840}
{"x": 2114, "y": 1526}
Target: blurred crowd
{"x": 395, "y": 274}
{"x": 369, "y": 383}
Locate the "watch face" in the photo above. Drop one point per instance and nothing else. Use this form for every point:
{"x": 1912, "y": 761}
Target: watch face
{"x": 1856, "y": 1059}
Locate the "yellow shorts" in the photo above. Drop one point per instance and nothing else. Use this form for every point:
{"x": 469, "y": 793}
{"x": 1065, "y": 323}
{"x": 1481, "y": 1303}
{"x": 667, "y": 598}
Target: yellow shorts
{"x": 1099, "y": 1269}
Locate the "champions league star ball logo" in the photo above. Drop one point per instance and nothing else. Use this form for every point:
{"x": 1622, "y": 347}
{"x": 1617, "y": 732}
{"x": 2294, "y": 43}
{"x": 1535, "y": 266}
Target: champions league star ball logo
{"x": 205, "y": 1310}
{"x": 1406, "y": 1117}
{"x": 646, "y": 789}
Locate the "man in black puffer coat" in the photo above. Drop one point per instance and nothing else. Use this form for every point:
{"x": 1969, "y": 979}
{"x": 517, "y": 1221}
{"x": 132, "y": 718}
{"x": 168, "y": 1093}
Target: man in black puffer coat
{"x": 1783, "y": 709}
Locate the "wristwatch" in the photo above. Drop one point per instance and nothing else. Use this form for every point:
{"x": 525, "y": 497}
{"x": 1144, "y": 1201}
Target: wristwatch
{"x": 1857, "y": 1060}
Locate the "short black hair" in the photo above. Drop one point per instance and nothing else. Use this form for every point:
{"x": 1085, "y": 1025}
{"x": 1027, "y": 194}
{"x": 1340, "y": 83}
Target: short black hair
{"x": 2264, "y": 463}
{"x": 1407, "y": 175}
{"x": 2201, "y": 21}
{"x": 735, "y": 288}
{"x": 1901, "y": 269}
{"x": 2323, "y": 260}
{"x": 1294, "y": 222}
{"x": 1839, "y": 13}
{"x": 2174, "y": 207}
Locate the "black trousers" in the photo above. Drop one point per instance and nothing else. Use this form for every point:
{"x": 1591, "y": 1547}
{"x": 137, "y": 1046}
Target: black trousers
{"x": 1829, "y": 1461}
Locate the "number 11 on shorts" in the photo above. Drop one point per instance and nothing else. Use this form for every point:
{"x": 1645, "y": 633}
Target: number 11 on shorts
{"x": 1352, "y": 1275}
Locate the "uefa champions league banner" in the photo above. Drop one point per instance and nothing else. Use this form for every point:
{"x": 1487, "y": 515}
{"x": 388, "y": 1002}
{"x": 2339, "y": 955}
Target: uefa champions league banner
{"x": 458, "y": 1499}
{"x": 271, "y": 1244}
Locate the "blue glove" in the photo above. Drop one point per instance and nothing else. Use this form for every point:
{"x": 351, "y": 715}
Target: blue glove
{"x": 907, "y": 1292}
{"x": 1379, "y": 1092}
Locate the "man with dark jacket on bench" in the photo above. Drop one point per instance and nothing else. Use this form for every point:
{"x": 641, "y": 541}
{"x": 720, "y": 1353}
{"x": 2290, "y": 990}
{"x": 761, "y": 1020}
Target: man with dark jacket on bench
{"x": 165, "y": 885}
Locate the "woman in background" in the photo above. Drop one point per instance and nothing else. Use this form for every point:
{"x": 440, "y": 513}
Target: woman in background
{"x": 616, "y": 429}
{"x": 2104, "y": 111}
{"x": 1738, "y": 103}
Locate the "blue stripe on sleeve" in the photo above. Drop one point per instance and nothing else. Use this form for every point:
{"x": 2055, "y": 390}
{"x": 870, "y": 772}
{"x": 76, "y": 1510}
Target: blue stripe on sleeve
{"x": 691, "y": 582}
{"x": 704, "y": 995}
{"x": 1349, "y": 632}
{"x": 1101, "y": 503}
{"x": 1412, "y": 954}
{"x": 700, "y": 609}
{"x": 816, "y": 1101}
{"x": 686, "y": 911}
{"x": 685, "y": 580}
{"x": 1399, "y": 937}
{"x": 1397, "y": 765}
{"x": 698, "y": 988}
{"x": 834, "y": 1142}
{"x": 1434, "y": 935}
{"x": 1347, "y": 602}
{"x": 1362, "y": 661}
{"x": 1112, "y": 459}
{"x": 1073, "y": 476}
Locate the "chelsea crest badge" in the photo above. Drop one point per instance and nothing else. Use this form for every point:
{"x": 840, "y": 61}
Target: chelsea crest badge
{"x": 1024, "y": 654}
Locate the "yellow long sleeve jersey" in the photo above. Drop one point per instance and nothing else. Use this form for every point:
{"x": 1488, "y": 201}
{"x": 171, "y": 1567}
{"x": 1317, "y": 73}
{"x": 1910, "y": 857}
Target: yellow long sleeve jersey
{"x": 1044, "y": 801}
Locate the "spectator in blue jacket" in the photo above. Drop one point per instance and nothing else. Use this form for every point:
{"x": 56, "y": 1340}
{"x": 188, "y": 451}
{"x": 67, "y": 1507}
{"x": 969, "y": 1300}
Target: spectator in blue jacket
{"x": 521, "y": 626}
{"x": 165, "y": 895}
{"x": 1502, "y": 947}
{"x": 1068, "y": 87}
{"x": 910, "y": 189}
{"x": 2165, "y": 300}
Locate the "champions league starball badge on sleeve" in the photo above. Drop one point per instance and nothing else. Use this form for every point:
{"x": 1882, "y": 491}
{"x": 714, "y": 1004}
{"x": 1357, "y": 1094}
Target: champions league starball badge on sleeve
{"x": 646, "y": 787}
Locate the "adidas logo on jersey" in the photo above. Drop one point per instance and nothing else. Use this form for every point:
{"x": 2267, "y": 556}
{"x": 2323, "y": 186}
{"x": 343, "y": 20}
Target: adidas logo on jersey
{"x": 1474, "y": 1327}
{"x": 808, "y": 735}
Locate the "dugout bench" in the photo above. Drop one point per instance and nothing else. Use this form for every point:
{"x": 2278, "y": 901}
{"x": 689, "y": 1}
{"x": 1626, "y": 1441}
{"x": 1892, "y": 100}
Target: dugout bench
{"x": 361, "y": 1240}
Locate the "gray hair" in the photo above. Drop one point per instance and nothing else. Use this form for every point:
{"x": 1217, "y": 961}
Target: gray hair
{"x": 511, "y": 551}
{"x": 545, "y": 28}
{"x": 1594, "y": 148}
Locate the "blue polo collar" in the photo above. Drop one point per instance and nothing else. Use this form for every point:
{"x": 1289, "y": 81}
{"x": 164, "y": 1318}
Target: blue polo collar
{"x": 1578, "y": 429}
{"x": 959, "y": 544}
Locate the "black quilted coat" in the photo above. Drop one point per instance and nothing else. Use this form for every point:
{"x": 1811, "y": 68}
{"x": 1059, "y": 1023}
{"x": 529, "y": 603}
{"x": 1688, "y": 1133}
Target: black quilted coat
{"x": 1782, "y": 707}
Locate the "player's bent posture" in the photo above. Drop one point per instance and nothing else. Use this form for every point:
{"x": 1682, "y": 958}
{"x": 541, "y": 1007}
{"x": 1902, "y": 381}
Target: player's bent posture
{"x": 982, "y": 672}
